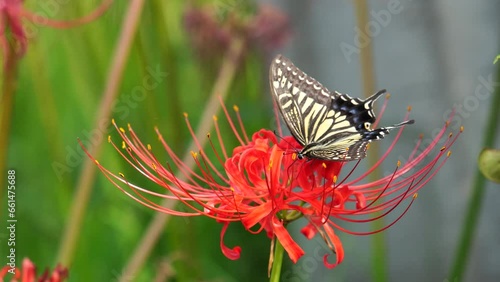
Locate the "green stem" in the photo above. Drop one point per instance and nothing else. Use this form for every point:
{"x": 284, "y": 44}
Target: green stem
{"x": 86, "y": 179}
{"x": 379, "y": 256}
{"x": 476, "y": 199}
{"x": 277, "y": 262}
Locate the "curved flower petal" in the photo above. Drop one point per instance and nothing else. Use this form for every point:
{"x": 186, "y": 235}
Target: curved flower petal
{"x": 291, "y": 247}
{"x": 337, "y": 247}
{"x": 232, "y": 254}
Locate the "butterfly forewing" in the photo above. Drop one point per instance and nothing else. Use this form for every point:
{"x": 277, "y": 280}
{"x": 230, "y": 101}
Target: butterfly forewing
{"x": 303, "y": 102}
{"x": 330, "y": 125}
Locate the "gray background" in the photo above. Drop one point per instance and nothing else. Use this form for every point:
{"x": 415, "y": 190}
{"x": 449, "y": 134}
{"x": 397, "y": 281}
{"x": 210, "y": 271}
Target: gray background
{"x": 429, "y": 55}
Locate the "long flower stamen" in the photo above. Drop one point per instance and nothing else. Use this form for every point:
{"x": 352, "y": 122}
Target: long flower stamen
{"x": 231, "y": 124}
{"x": 240, "y": 122}
{"x": 383, "y": 228}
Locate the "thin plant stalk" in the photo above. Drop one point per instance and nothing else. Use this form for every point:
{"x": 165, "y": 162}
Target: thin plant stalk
{"x": 219, "y": 92}
{"x": 477, "y": 194}
{"x": 84, "y": 184}
{"x": 379, "y": 259}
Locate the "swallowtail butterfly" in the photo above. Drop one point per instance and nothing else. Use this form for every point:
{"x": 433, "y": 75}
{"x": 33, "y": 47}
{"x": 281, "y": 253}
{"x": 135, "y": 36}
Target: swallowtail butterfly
{"x": 329, "y": 125}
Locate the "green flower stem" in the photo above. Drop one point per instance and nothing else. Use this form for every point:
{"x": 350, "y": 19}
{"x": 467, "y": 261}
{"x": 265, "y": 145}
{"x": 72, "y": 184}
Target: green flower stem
{"x": 476, "y": 199}
{"x": 379, "y": 256}
{"x": 86, "y": 179}
{"x": 220, "y": 90}
{"x": 277, "y": 262}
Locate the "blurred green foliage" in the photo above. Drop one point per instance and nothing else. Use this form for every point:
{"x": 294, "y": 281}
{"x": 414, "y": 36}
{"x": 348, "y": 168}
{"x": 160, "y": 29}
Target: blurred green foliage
{"x": 60, "y": 84}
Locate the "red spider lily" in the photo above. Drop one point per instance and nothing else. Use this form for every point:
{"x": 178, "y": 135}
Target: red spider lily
{"x": 12, "y": 13}
{"x": 264, "y": 186}
{"x": 28, "y": 273}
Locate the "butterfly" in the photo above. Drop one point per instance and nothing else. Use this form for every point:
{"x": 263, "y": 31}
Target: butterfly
{"x": 329, "y": 125}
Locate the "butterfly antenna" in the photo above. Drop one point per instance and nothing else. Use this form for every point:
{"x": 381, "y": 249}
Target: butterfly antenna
{"x": 281, "y": 138}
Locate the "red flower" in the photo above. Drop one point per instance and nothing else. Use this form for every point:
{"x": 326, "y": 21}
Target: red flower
{"x": 28, "y": 273}
{"x": 264, "y": 186}
{"x": 12, "y": 13}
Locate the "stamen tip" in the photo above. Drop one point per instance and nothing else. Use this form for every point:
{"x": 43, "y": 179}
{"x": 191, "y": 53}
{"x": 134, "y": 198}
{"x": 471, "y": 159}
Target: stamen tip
{"x": 442, "y": 148}
{"x": 462, "y": 128}
{"x": 185, "y": 114}
{"x": 194, "y": 154}
{"x": 415, "y": 195}
{"x": 123, "y": 145}
{"x": 446, "y": 123}
{"x": 96, "y": 162}
{"x": 122, "y": 130}
{"x": 129, "y": 127}
{"x": 215, "y": 118}
{"x": 323, "y": 165}
{"x": 208, "y": 135}
{"x": 409, "y": 108}
{"x": 448, "y": 154}
{"x": 399, "y": 163}
{"x": 387, "y": 96}
{"x": 421, "y": 136}
{"x": 113, "y": 121}
{"x": 109, "y": 138}
{"x": 121, "y": 175}
{"x": 149, "y": 147}
{"x": 235, "y": 108}
{"x": 450, "y": 135}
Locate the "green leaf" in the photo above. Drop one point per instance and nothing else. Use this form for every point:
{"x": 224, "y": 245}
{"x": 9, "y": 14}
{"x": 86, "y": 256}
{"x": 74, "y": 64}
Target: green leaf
{"x": 489, "y": 164}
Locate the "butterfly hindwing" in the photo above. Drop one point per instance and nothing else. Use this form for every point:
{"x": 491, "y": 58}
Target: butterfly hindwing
{"x": 329, "y": 125}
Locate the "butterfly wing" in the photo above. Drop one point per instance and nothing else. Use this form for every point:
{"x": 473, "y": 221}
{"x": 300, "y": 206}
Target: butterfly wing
{"x": 353, "y": 149}
{"x": 303, "y": 102}
{"x": 348, "y": 138}
{"x": 330, "y": 125}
